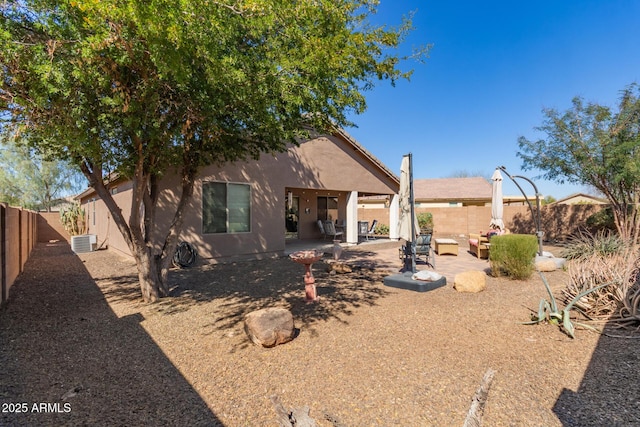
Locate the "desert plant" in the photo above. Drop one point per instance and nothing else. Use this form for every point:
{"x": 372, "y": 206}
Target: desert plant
{"x": 425, "y": 221}
{"x": 548, "y": 310}
{"x": 584, "y": 244}
{"x": 615, "y": 263}
{"x": 601, "y": 220}
{"x": 72, "y": 218}
{"x": 512, "y": 255}
{"x": 381, "y": 229}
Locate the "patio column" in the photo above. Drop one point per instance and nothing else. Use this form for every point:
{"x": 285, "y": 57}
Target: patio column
{"x": 352, "y": 217}
{"x": 394, "y": 216}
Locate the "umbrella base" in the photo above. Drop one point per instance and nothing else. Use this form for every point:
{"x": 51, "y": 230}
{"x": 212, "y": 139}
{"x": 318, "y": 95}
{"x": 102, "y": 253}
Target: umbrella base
{"x": 404, "y": 281}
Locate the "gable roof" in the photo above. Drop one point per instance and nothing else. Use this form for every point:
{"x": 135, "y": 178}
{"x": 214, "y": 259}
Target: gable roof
{"x": 475, "y": 188}
{"x": 359, "y": 147}
{"x": 580, "y": 198}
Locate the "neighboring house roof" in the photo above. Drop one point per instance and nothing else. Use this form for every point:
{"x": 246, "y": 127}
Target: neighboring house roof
{"x": 111, "y": 179}
{"x": 580, "y": 198}
{"x": 476, "y": 188}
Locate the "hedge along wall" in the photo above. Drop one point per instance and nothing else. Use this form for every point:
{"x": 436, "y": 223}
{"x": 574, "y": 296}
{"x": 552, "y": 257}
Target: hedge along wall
{"x": 558, "y": 221}
{"x": 18, "y": 236}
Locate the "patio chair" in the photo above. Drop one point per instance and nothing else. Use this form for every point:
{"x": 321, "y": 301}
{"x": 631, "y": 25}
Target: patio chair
{"x": 330, "y": 230}
{"x": 321, "y": 227}
{"x": 364, "y": 230}
{"x": 479, "y": 245}
{"x": 423, "y": 247}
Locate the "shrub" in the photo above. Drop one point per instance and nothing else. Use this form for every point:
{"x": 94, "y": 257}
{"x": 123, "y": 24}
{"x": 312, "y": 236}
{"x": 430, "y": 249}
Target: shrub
{"x": 601, "y": 220}
{"x": 425, "y": 221}
{"x": 585, "y": 244}
{"x": 381, "y": 229}
{"x": 513, "y": 255}
{"x": 604, "y": 258}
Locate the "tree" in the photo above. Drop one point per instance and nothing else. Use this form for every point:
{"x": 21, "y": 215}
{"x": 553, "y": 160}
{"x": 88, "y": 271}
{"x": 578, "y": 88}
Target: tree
{"x": 547, "y": 200}
{"x": 591, "y": 144}
{"x": 30, "y": 181}
{"x": 462, "y": 173}
{"x": 143, "y": 87}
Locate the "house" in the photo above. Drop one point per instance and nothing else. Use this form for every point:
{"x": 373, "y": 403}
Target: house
{"x": 580, "y": 199}
{"x": 440, "y": 192}
{"x": 250, "y": 209}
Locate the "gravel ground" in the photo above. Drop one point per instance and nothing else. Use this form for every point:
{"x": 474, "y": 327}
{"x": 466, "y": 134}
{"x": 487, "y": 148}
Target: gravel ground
{"x": 78, "y": 347}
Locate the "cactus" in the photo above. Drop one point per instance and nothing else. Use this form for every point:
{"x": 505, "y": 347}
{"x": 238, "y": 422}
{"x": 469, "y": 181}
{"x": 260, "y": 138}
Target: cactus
{"x": 72, "y": 218}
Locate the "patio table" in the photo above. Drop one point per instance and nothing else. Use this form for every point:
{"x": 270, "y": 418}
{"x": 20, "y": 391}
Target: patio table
{"x": 446, "y": 246}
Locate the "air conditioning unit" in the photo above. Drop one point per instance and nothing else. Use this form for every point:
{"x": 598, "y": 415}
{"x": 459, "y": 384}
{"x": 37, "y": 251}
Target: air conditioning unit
{"x": 84, "y": 243}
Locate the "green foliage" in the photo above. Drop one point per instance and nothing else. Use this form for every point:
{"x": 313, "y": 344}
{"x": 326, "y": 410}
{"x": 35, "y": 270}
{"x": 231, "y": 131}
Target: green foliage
{"x": 513, "y": 255}
{"x": 594, "y": 145}
{"x": 602, "y": 220}
{"x": 29, "y": 180}
{"x": 547, "y": 200}
{"x": 73, "y": 219}
{"x": 425, "y": 220}
{"x": 142, "y": 87}
{"x": 381, "y": 229}
{"x": 585, "y": 244}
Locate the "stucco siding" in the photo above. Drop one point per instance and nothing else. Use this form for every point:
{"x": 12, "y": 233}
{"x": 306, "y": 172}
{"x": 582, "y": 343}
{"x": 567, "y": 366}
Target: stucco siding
{"x": 325, "y": 166}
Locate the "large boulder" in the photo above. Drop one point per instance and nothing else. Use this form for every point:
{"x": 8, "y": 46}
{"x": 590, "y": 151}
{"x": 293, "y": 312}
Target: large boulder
{"x": 545, "y": 264}
{"x": 338, "y": 267}
{"x": 270, "y": 326}
{"x": 470, "y": 281}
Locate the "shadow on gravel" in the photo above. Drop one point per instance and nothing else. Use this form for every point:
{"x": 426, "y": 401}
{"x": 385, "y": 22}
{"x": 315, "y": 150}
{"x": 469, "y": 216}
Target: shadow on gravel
{"x": 239, "y": 288}
{"x": 614, "y": 370}
{"x": 67, "y": 359}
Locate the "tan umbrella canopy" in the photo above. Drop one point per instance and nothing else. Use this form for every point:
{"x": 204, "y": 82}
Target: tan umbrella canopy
{"x": 496, "y": 201}
{"x": 406, "y": 203}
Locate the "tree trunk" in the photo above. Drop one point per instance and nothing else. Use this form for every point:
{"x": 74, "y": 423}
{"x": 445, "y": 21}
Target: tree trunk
{"x": 148, "y": 276}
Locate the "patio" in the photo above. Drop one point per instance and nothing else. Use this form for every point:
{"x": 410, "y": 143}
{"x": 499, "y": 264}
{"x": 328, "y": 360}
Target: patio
{"x": 386, "y": 253}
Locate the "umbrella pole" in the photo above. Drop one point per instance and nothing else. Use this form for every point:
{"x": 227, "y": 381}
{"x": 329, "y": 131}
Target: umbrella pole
{"x": 412, "y": 243}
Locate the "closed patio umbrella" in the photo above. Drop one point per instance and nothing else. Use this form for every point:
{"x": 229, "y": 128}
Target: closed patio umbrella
{"x": 408, "y": 229}
{"x": 496, "y": 201}
{"x": 407, "y": 232}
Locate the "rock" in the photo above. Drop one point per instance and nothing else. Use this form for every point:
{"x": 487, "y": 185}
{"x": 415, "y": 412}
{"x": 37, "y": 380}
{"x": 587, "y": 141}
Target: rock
{"x": 545, "y": 264}
{"x": 560, "y": 262}
{"x": 270, "y": 326}
{"x": 470, "y": 281}
{"x": 339, "y": 267}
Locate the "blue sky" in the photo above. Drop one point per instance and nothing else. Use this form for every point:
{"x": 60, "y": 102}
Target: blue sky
{"x": 493, "y": 67}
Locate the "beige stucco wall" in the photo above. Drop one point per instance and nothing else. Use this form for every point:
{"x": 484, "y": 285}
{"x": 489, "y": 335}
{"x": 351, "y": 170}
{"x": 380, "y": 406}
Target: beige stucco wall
{"x": 558, "y": 221}
{"x": 325, "y": 166}
{"x": 50, "y": 227}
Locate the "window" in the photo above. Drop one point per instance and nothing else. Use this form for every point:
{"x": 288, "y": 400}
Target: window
{"x": 226, "y": 207}
{"x": 327, "y": 208}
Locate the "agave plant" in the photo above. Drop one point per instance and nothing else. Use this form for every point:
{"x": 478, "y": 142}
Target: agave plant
{"x": 548, "y": 310}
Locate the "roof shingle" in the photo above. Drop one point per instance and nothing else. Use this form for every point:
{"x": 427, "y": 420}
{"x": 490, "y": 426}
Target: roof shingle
{"x": 451, "y": 188}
